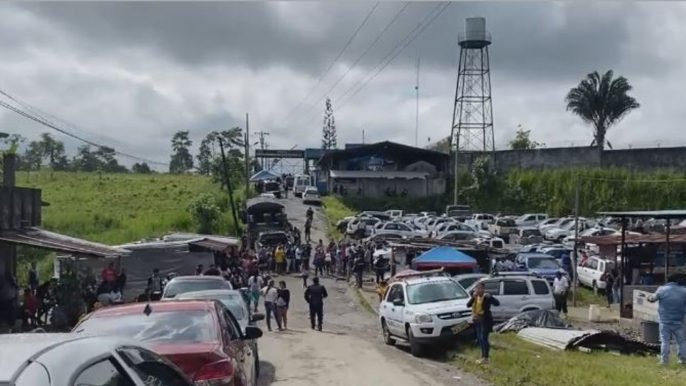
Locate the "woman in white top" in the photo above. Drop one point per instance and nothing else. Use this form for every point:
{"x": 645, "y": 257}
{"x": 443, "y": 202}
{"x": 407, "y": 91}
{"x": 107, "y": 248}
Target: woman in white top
{"x": 271, "y": 294}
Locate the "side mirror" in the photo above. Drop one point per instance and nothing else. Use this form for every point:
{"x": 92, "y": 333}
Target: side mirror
{"x": 398, "y": 303}
{"x": 256, "y": 317}
{"x": 252, "y": 332}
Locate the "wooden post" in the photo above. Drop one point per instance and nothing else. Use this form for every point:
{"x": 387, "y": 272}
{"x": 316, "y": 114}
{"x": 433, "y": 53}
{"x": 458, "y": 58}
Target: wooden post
{"x": 8, "y": 252}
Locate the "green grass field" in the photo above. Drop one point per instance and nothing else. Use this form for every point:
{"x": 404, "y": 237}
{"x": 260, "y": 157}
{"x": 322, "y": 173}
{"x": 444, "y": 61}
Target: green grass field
{"x": 335, "y": 210}
{"x": 118, "y": 208}
{"x": 517, "y": 362}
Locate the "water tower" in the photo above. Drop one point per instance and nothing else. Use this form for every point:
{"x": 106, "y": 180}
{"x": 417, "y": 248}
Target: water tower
{"x": 472, "y": 129}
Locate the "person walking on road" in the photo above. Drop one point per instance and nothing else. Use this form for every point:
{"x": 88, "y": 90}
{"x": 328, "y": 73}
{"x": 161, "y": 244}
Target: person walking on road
{"x": 560, "y": 287}
{"x": 305, "y": 273}
{"x": 315, "y": 295}
{"x": 271, "y": 295}
{"x": 481, "y": 303}
{"x": 282, "y": 303}
{"x": 359, "y": 265}
{"x": 255, "y": 283}
{"x": 609, "y": 279}
{"x": 671, "y": 312}
{"x": 308, "y": 225}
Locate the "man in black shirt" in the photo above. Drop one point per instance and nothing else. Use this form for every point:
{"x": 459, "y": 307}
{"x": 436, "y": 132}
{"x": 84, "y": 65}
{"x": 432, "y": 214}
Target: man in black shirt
{"x": 315, "y": 295}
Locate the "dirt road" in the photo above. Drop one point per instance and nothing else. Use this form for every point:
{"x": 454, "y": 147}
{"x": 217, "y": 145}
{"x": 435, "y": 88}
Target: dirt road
{"x": 349, "y": 351}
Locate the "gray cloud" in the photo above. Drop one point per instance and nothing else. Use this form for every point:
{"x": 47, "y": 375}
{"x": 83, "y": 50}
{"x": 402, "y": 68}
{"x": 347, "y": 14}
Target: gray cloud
{"x": 133, "y": 73}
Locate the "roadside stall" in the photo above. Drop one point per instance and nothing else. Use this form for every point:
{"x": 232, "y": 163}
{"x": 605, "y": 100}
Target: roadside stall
{"x": 449, "y": 259}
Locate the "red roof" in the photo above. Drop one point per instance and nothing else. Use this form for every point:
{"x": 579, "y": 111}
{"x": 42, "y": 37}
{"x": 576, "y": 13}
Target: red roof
{"x": 166, "y": 306}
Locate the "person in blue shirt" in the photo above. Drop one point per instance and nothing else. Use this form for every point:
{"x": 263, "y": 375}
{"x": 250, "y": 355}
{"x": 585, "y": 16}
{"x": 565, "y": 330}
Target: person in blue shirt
{"x": 671, "y": 313}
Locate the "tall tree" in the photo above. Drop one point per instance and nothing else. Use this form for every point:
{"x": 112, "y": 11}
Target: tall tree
{"x": 181, "y": 160}
{"x": 602, "y": 102}
{"x": 46, "y": 150}
{"x": 87, "y": 160}
{"x": 522, "y": 140}
{"x": 443, "y": 145}
{"x": 13, "y": 141}
{"x": 329, "y": 128}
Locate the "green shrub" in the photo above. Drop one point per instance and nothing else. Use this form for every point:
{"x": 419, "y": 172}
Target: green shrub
{"x": 205, "y": 213}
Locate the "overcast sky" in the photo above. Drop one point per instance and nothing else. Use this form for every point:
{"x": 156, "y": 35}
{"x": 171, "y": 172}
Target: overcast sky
{"x": 131, "y": 74}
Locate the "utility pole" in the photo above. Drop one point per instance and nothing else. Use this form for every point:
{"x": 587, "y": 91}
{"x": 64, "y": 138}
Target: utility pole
{"x": 416, "y": 123}
{"x": 576, "y": 240}
{"x": 263, "y": 144}
{"x": 247, "y": 158}
{"x": 228, "y": 185}
{"x": 363, "y": 136}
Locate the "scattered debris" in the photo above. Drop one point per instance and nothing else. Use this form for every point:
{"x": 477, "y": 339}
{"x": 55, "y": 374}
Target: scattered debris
{"x": 586, "y": 340}
{"x": 536, "y": 318}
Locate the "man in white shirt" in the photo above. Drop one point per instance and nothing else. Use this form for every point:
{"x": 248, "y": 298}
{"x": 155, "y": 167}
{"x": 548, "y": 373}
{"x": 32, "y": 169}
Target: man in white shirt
{"x": 271, "y": 294}
{"x": 298, "y": 257}
{"x": 560, "y": 287}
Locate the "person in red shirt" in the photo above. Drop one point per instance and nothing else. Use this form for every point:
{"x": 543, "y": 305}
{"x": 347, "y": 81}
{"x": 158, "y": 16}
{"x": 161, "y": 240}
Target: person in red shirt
{"x": 109, "y": 275}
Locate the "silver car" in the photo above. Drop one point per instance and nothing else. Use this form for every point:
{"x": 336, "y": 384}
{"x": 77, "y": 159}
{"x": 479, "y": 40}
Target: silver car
{"x": 517, "y": 293}
{"x": 69, "y": 359}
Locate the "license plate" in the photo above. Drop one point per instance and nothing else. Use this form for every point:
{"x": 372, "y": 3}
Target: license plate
{"x": 458, "y": 328}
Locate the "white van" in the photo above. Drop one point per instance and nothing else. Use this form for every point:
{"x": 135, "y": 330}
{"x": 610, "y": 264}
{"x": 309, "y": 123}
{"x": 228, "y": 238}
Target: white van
{"x": 300, "y": 184}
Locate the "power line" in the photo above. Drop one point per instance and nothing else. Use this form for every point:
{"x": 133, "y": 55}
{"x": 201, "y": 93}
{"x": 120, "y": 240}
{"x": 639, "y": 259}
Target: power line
{"x": 445, "y": 6}
{"x": 49, "y": 124}
{"x": 345, "y": 47}
{"x": 373, "y": 43}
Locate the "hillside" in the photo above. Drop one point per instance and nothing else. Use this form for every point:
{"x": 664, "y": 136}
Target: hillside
{"x": 119, "y": 208}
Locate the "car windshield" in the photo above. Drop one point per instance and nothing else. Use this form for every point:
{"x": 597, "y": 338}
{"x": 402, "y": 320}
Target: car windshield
{"x": 181, "y": 326}
{"x": 183, "y": 286}
{"x": 233, "y": 302}
{"x": 434, "y": 292}
{"x": 543, "y": 263}
{"x": 274, "y": 238}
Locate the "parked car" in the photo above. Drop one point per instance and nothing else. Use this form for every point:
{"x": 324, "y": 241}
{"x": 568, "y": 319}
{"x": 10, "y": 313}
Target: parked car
{"x": 342, "y": 224}
{"x": 530, "y": 219}
{"x": 591, "y": 272}
{"x": 546, "y": 222}
{"x": 398, "y": 228}
{"x": 271, "y": 239}
{"x": 458, "y": 236}
{"x": 182, "y": 284}
{"x": 458, "y": 211}
{"x": 202, "y": 338}
{"x": 559, "y": 234}
{"x": 236, "y": 302}
{"x": 480, "y": 220}
{"x": 433, "y": 223}
{"x": 517, "y": 294}
{"x": 559, "y": 253}
{"x": 369, "y": 223}
{"x": 52, "y": 359}
{"x": 300, "y": 183}
{"x": 467, "y": 279}
{"x": 424, "y": 311}
{"x": 526, "y": 236}
{"x": 561, "y": 222}
{"x": 540, "y": 264}
{"x": 503, "y": 228}
{"x": 394, "y": 214}
{"x": 311, "y": 196}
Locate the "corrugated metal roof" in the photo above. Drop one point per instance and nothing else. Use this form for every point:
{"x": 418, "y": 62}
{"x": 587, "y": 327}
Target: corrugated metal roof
{"x": 215, "y": 244}
{"x": 39, "y": 238}
{"x": 378, "y": 174}
{"x": 552, "y": 337}
{"x": 660, "y": 214}
{"x": 616, "y": 239}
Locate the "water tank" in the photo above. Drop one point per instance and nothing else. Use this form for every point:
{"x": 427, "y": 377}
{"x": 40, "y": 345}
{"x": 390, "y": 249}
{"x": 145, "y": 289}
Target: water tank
{"x": 475, "y": 28}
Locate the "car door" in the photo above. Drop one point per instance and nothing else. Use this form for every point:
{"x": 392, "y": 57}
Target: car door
{"x": 234, "y": 347}
{"x": 104, "y": 372}
{"x": 393, "y": 313}
{"x": 542, "y": 295}
{"x": 583, "y": 273}
{"x": 404, "y": 230}
{"x": 514, "y": 297}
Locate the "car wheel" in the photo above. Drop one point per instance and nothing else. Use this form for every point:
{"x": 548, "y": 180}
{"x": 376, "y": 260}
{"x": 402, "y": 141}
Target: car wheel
{"x": 416, "y": 349}
{"x": 595, "y": 288}
{"x": 387, "y": 334}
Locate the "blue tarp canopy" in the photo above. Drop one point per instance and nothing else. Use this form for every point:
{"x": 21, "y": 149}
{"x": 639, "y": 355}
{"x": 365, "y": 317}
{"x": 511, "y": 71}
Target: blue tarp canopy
{"x": 446, "y": 257}
{"x": 263, "y": 175}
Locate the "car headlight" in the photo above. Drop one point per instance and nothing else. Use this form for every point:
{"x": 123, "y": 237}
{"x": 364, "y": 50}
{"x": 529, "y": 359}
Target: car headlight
{"x": 423, "y": 318}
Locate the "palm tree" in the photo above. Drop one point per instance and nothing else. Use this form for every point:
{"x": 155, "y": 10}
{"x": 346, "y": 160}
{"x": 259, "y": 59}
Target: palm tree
{"x": 602, "y": 102}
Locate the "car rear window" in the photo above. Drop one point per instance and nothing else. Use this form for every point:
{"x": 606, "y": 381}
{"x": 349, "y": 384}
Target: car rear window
{"x": 540, "y": 287}
{"x": 183, "y": 286}
{"x": 181, "y": 326}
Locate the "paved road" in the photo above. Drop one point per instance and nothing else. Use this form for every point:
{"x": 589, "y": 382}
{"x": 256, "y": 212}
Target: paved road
{"x": 349, "y": 351}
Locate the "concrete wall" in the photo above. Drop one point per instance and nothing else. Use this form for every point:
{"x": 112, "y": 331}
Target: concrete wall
{"x": 570, "y": 157}
{"x": 373, "y": 187}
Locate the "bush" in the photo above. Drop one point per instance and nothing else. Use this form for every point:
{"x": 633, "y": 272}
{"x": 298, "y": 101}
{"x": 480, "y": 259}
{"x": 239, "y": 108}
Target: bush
{"x": 205, "y": 213}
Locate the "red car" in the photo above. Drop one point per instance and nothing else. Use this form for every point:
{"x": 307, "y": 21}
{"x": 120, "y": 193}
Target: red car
{"x": 202, "y": 337}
